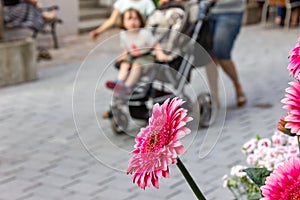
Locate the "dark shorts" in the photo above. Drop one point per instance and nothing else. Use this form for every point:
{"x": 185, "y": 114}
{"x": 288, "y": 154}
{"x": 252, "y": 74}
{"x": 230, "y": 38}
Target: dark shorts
{"x": 225, "y": 28}
{"x": 145, "y": 61}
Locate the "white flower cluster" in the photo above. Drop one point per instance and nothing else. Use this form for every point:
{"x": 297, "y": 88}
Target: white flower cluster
{"x": 270, "y": 153}
{"x": 261, "y": 152}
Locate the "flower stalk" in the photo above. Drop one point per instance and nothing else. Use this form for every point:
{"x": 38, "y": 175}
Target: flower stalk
{"x": 190, "y": 180}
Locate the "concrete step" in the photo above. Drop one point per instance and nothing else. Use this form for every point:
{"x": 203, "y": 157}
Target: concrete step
{"x": 94, "y": 13}
{"x": 88, "y": 3}
{"x": 88, "y": 25}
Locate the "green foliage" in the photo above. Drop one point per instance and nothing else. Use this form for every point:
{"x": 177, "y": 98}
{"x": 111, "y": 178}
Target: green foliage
{"x": 258, "y": 137}
{"x": 243, "y": 188}
{"x": 288, "y": 132}
{"x": 258, "y": 175}
{"x": 156, "y": 3}
{"x": 255, "y": 196}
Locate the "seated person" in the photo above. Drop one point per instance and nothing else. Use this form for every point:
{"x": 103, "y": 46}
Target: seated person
{"x": 280, "y": 15}
{"x": 26, "y": 13}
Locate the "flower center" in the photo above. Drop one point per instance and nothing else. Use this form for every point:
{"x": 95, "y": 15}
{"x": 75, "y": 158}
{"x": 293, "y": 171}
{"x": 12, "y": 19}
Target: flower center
{"x": 295, "y": 193}
{"x": 155, "y": 141}
{"x": 152, "y": 140}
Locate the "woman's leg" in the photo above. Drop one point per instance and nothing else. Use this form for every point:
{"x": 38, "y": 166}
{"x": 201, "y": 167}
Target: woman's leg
{"x": 212, "y": 76}
{"x": 134, "y": 75}
{"x": 229, "y": 68}
{"x": 279, "y": 19}
{"x": 227, "y": 28}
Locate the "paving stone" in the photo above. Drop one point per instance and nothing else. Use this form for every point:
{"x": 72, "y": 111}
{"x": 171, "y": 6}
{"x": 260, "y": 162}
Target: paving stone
{"x": 84, "y": 188}
{"x": 50, "y": 192}
{"x": 45, "y": 156}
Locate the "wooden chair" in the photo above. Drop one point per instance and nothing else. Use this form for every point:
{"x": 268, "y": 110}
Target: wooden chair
{"x": 286, "y": 3}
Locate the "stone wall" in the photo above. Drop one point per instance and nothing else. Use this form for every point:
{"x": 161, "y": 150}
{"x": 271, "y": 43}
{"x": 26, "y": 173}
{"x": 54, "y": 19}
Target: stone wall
{"x": 17, "y": 61}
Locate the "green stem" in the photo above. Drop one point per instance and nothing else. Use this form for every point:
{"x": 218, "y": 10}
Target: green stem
{"x": 234, "y": 194}
{"x": 190, "y": 180}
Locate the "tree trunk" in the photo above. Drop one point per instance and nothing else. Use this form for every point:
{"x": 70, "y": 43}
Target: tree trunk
{"x": 1, "y": 21}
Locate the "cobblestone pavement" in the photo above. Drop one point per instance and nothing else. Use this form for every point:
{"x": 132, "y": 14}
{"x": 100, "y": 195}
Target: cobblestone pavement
{"x": 45, "y": 156}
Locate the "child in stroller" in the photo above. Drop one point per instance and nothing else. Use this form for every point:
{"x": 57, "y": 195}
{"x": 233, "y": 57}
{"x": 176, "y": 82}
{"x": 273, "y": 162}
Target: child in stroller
{"x": 167, "y": 24}
{"x": 138, "y": 44}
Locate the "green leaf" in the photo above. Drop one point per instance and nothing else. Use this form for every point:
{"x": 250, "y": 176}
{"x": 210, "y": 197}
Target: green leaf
{"x": 258, "y": 137}
{"x": 288, "y": 132}
{"x": 258, "y": 175}
{"x": 254, "y": 196}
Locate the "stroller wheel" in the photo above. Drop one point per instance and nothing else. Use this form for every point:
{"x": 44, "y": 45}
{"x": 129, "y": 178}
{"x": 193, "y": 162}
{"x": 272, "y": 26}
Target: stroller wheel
{"x": 119, "y": 123}
{"x": 188, "y": 103}
{"x": 207, "y": 108}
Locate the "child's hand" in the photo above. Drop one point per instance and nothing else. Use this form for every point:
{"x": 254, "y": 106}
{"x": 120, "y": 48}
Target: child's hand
{"x": 93, "y": 35}
{"x": 162, "y": 57}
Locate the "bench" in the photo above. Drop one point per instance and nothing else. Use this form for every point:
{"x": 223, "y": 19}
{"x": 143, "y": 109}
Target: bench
{"x": 50, "y": 27}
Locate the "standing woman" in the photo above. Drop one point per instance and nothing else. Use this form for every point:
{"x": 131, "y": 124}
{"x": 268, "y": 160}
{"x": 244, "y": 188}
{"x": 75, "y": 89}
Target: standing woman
{"x": 226, "y": 21}
{"x": 145, "y": 7}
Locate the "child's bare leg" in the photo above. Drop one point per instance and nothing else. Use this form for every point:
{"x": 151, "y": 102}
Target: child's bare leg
{"x": 134, "y": 75}
{"x": 123, "y": 73}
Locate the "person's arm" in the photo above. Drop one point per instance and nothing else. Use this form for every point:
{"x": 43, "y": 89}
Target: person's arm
{"x": 123, "y": 56}
{"x": 160, "y": 55}
{"x": 106, "y": 25}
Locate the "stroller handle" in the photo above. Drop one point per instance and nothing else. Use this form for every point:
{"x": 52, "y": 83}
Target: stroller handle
{"x": 206, "y": 6}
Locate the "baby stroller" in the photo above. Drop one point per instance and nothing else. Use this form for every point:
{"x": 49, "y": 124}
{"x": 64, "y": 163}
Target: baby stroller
{"x": 165, "y": 80}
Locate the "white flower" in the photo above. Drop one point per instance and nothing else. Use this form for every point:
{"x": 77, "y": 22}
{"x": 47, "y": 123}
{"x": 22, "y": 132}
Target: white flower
{"x": 249, "y": 146}
{"x": 278, "y": 139}
{"x": 225, "y": 181}
{"x": 264, "y": 143}
{"x": 293, "y": 141}
{"x": 252, "y": 159}
{"x": 238, "y": 171}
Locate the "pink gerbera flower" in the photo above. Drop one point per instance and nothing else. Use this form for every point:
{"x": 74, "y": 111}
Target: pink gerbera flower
{"x": 294, "y": 65}
{"x": 292, "y": 103}
{"x": 284, "y": 182}
{"x": 158, "y": 144}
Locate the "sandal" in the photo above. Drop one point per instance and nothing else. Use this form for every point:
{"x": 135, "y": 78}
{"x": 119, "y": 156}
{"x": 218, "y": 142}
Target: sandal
{"x": 43, "y": 54}
{"x": 241, "y": 99}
